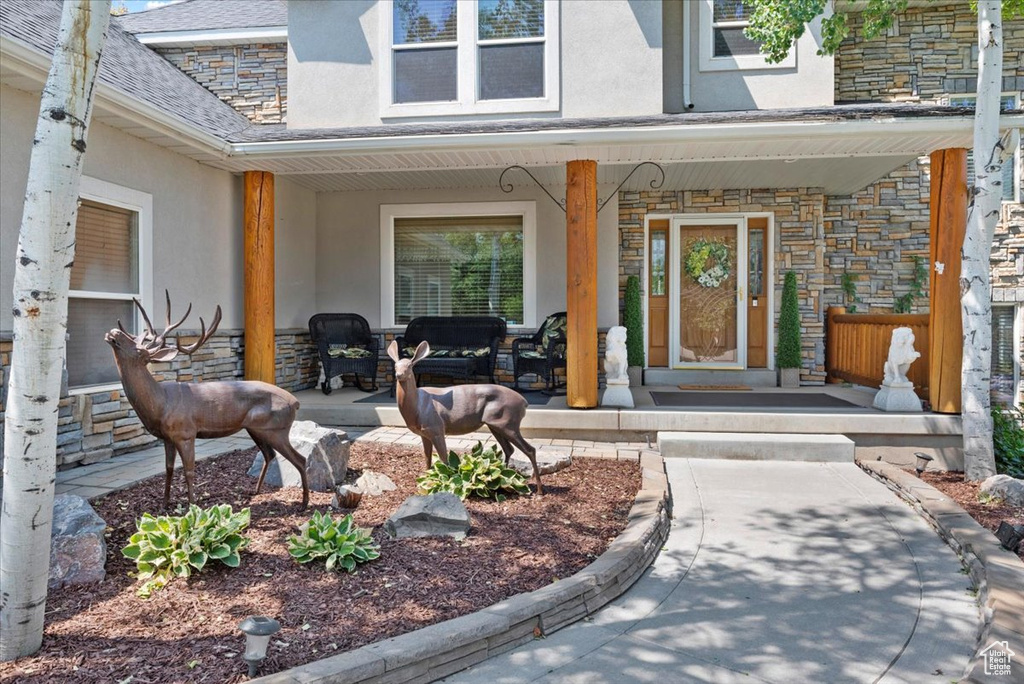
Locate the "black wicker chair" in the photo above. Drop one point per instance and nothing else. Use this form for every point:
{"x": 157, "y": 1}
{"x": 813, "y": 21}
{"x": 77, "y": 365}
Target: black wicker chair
{"x": 345, "y": 345}
{"x": 541, "y": 353}
{"x": 460, "y": 346}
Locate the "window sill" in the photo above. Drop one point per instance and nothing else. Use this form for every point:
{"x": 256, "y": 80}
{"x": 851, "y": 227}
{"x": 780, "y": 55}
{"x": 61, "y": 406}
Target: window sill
{"x": 423, "y": 109}
{"x": 746, "y": 63}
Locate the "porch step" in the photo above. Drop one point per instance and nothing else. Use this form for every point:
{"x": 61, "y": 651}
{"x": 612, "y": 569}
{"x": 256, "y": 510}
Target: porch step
{"x": 755, "y": 377}
{"x": 756, "y": 447}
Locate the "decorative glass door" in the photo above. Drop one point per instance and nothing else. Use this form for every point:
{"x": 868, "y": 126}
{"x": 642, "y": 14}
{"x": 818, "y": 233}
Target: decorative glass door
{"x": 710, "y": 331}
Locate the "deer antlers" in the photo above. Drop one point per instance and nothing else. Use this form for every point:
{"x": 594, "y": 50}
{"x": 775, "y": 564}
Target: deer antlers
{"x": 152, "y": 342}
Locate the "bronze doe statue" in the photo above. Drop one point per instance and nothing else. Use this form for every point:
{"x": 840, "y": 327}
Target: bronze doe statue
{"x": 179, "y": 412}
{"x": 433, "y": 412}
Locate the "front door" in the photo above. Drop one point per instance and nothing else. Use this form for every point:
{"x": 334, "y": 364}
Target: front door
{"x": 709, "y": 280}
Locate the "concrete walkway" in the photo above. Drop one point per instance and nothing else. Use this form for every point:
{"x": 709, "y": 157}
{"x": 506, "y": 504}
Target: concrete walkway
{"x": 773, "y": 572}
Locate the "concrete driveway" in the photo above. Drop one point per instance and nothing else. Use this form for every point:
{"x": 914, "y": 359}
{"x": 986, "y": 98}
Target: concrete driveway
{"x": 773, "y": 572}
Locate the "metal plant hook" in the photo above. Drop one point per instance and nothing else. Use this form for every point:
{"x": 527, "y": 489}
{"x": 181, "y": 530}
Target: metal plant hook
{"x": 506, "y": 188}
{"x": 655, "y": 184}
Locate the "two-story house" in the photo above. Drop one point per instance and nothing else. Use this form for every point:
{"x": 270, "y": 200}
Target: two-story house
{"x": 492, "y": 157}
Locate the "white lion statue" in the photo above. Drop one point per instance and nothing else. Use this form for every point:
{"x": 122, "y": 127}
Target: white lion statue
{"x": 615, "y": 357}
{"x": 901, "y": 355}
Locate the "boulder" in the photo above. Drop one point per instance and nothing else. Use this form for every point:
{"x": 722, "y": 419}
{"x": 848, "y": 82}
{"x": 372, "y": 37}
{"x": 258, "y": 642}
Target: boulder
{"x": 548, "y": 461}
{"x": 371, "y": 483}
{"x": 432, "y": 515}
{"x": 78, "y": 550}
{"x": 1009, "y": 489}
{"x": 326, "y": 453}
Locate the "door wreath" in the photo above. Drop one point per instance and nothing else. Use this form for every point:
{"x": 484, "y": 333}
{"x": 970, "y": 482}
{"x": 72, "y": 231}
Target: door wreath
{"x": 707, "y": 262}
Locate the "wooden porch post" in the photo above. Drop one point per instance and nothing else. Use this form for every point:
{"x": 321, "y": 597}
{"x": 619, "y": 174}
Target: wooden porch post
{"x": 259, "y": 275}
{"x": 948, "y": 208}
{"x": 581, "y": 283}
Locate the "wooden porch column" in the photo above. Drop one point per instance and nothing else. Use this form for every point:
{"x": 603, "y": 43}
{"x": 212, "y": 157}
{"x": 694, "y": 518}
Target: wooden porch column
{"x": 948, "y": 207}
{"x": 581, "y": 283}
{"x": 259, "y": 275}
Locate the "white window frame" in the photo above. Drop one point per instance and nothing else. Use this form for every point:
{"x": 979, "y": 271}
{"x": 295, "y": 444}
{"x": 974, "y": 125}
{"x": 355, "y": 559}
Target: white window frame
{"x": 1015, "y": 159}
{"x": 468, "y": 82}
{"x": 1018, "y": 333}
{"x": 706, "y": 43}
{"x": 111, "y": 194}
{"x": 390, "y": 212}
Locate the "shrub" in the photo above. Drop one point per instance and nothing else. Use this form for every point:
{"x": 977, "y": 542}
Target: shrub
{"x": 633, "y": 320}
{"x": 479, "y": 473}
{"x": 1008, "y": 438}
{"x": 340, "y": 542}
{"x": 788, "y": 353}
{"x": 166, "y": 547}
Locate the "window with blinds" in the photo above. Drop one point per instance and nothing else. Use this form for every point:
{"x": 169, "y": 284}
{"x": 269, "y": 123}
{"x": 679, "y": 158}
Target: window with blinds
{"x": 1010, "y": 166}
{"x": 1003, "y": 367}
{"x": 462, "y": 266}
{"x": 104, "y": 278}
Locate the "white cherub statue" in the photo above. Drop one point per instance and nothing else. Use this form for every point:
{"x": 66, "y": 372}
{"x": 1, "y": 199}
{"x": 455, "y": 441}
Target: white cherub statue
{"x": 615, "y": 357}
{"x": 901, "y": 355}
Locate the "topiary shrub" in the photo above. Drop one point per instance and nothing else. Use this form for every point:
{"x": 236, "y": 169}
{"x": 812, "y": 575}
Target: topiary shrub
{"x": 339, "y": 542}
{"x": 479, "y": 473}
{"x": 1008, "y": 439}
{"x": 168, "y": 546}
{"x": 633, "y": 320}
{"x": 787, "y": 355}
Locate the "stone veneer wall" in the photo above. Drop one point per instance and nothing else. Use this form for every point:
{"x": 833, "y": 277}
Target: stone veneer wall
{"x": 251, "y": 78}
{"x": 929, "y": 52}
{"x": 94, "y": 426}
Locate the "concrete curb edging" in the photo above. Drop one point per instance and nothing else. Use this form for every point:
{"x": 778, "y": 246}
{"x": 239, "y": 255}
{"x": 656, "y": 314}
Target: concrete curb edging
{"x": 997, "y": 573}
{"x": 444, "y": 648}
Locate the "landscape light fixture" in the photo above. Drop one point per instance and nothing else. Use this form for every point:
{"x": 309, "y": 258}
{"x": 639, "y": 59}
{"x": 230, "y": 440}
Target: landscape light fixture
{"x": 257, "y": 630}
{"x": 1010, "y": 536}
{"x": 922, "y": 462}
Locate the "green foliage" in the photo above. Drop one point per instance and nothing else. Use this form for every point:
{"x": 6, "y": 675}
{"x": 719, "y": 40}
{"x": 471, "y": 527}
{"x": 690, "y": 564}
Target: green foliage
{"x": 479, "y": 473}
{"x": 849, "y": 285}
{"x": 777, "y": 24}
{"x": 905, "y": 303}
{"x": 788, "y": 353}
{"x": 166, "y": 547}
{"x": 1008, "y": 437}
{"x": 339, "y": 542}
{"x": 633, "y": 319}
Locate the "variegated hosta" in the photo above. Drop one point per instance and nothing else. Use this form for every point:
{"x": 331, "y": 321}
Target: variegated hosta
{"x": 479, "y": 473}
{"x": 166, "y": 547}
{"x": 340, "y": 543}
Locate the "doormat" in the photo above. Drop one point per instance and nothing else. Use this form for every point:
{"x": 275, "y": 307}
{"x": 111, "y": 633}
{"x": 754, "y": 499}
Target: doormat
{"x": 719, "y": 388}
{"x": 762, "y": 400}
{"x": 534, "y": 398}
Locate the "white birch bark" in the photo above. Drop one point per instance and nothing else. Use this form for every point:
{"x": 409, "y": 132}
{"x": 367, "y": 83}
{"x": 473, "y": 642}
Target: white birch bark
{"x": 46, "y": 247}
{"x": 982, "y": 216}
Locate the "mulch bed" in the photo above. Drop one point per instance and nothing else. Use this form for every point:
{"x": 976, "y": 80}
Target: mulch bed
{"x": 988, "y": 515}
{"x": 188, "y": 630}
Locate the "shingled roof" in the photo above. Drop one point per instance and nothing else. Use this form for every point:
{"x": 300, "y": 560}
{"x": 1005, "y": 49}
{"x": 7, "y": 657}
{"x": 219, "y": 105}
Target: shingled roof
{"x": 207, "y": 15}
{"x": 127, "y": 66}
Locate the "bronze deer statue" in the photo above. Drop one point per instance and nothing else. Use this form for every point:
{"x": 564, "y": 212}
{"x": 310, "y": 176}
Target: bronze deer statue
{"x": 433, "y": 412}
{"x": 179, "y": 412}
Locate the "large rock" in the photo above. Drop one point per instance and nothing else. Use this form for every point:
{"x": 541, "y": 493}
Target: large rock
{"x": 78, "y": 551}
{"x": 326, "y": 453}
{"x": 548, "y": 461}
{"x": 372, "y": 483}
{"x": 432, "y": 515}
{"x": 1009, "y": 489}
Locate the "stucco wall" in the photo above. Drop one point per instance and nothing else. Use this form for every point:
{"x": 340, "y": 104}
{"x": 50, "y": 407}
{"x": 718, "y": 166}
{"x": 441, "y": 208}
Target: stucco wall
{"x": 348, "y": 248}
{"x": 334, "y": 58}
{"x": 294, "y": 254}
{"x": 197, "y": 221}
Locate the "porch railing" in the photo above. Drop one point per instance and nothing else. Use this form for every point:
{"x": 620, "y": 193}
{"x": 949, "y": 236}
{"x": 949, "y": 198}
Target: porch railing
{"x": 857, "y": 345}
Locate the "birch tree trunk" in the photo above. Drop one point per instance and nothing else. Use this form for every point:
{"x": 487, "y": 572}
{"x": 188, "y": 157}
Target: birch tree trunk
{"x": 46, "y": 249}
{"x": 982, "y": 216}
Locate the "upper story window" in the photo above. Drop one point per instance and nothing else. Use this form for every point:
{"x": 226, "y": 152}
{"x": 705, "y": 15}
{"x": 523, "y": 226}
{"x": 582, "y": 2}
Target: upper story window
{"x": 110, "y": 269}
{"x": 1012, "y": 166}
{"x": 724, "y": 46}
{"x": 450, "y": 57}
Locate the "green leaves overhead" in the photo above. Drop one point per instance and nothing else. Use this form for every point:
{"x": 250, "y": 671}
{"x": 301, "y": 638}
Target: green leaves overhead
{"x": 340, "y": 543}
{"x": 479, "y": 473}
{"x": 166, "y": 547}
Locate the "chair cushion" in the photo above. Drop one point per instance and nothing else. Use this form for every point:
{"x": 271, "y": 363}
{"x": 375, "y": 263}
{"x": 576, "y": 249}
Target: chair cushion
{"x": 344, "y": 351}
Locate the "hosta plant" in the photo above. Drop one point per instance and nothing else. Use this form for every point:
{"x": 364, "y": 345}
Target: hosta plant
{"x": 339, "y": 542}
{"x": 168, "y": 546}
{"x": 481, "y": 472}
